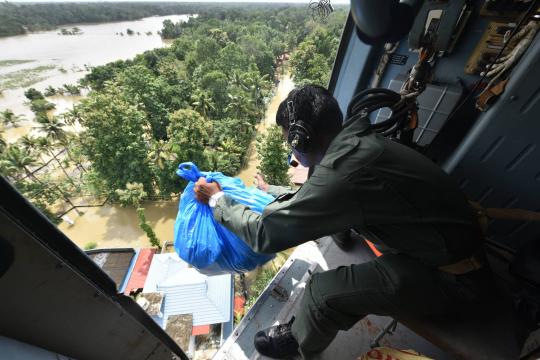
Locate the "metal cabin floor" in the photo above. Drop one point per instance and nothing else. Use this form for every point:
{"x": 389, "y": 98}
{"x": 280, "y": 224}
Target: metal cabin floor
{"x": 271, "y": 308}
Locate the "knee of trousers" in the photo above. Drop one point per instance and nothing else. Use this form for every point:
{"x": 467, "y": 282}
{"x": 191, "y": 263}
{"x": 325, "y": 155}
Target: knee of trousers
{"x": 322, "y": 312}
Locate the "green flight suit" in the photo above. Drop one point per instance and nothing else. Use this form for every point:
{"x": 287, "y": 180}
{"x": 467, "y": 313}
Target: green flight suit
{"x": 405, "y": 204}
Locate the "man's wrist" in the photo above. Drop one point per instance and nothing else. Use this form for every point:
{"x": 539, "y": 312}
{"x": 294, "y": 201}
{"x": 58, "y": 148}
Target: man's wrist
{"x": 214, "y": 199}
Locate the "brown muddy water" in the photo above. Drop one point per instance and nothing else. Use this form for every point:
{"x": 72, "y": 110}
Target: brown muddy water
{"x": 112, "y": 226}
{"x": 45, "y": 58}
{"x": 286, "y": 84}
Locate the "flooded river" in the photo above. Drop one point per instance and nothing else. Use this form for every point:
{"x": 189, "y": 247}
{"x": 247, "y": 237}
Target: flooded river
{"x": 46, "y": 58}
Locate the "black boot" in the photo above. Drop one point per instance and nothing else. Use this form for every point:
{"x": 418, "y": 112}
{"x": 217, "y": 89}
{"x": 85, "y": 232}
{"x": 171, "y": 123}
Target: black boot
{"x": 277, "y": 341}
{"x": 343, "y": 240}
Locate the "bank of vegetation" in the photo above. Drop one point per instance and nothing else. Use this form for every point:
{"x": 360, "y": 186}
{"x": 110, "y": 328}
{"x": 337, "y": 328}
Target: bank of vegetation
{"x": 197, "y": 100}
{"x": 20, "y": 18}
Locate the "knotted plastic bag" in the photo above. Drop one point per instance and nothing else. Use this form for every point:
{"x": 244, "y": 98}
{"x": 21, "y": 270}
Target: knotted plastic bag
{"x": 205, "y": 243}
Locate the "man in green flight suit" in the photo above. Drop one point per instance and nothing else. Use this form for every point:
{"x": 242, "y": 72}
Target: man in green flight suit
{"x": 432, "y": 261}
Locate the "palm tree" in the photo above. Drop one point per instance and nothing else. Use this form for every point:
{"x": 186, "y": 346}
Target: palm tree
{"x": 70, "y": 139}
{"x": 237, "y": 106}
{"x": 30, "y": 144}
{"x": 237, "y": 80}
{"x": 72, "y": 116}
{"x": 202, "y": 102}
{"x": 8, "y": 117}
{"x": 258, "y": 85}
{"x": 52, "y": 127}
{"x": 54, "y": 134}
{"x": 17, "y": 159}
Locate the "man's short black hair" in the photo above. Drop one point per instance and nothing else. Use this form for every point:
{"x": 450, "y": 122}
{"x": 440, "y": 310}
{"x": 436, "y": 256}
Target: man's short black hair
{"x": 316, "y": 106}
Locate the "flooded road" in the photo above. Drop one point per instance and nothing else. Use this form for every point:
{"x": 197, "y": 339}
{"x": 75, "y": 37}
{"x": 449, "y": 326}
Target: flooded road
{"x": 46, "y": 58}
{"x": 284, "y": 87}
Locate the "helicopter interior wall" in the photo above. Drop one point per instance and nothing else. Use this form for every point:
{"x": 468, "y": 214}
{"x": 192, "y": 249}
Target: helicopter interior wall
{"x": 496, "y": 163}
{"x": 449, "y": 68}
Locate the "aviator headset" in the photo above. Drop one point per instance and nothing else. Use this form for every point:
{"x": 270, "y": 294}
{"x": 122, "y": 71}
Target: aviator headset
{"x": 300, "y": 132}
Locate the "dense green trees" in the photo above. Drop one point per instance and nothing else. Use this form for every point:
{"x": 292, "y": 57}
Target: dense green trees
{"x": 198, "y": 100}
{"x": 17, "y": 18}
{"x": 313, "y": 59}
{"x": 114, "y": 139}
{"x": 170, "y": 30}
{"x": 272, "y": 152}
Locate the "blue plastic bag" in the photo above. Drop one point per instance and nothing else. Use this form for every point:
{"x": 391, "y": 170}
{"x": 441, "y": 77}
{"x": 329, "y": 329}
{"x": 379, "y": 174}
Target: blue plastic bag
{"x": 203, "y": 242}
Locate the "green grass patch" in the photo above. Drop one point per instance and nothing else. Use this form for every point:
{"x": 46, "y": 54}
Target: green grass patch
{"x": 4, "y": 63}
{"x": 24, "y": 78}
{"x": 90, "y": 245}
{"x": 261, "y": 281}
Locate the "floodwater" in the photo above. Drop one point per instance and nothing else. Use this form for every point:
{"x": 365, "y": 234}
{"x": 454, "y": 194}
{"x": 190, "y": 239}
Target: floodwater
{"x": 65, "y": 59}
{"x": 113, "y": 226}
{"x": 286, "y": 84}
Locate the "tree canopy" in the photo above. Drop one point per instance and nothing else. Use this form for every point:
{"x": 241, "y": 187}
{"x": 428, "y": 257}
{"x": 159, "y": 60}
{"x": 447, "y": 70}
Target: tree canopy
{"x": 198, "y": 100}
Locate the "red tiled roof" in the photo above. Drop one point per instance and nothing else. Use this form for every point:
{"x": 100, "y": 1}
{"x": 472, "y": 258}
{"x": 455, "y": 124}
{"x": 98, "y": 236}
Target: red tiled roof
{"x": 140, "y": 270}
{"x": 200, "y": 330}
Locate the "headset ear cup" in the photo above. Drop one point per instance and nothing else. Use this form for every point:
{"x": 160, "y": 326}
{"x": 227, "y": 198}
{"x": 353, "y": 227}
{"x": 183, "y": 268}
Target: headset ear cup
{"x": 300, "y": 136}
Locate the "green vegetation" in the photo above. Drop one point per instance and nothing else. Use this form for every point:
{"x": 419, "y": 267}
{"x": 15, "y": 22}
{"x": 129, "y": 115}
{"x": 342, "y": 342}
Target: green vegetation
{"x": 272, "y": 152}
{"x": 24, "y": 77}
{"x": 171, "y": 30}
{"x": 143, "y": 224}
{"x": 68, "y": 89}
{"x": 132, "y": 195}
{"x": 3, "y": 143}
{"x": 17, "y": 18}
{"x": 313, "y": 59}
{"x": 38, "y": 104}
{"x": 8, "y": 117}
{"x": 90, "y": 245}
{"x": 198, "y": 100}
{"x": 262, "y": 280}
{"x": 4, "y": 63}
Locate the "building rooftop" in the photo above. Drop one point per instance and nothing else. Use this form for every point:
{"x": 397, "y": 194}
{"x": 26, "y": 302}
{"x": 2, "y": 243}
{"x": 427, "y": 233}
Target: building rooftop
{"x": 140, "y": 270}
{"x": 179, "y": 327}
{"x": 186, "y": 291}
{"x": 153, "y": 304}
{"x": 208, "y": 298}
{"x": 115, "y": 262}
{"x": 162, "y": 267}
